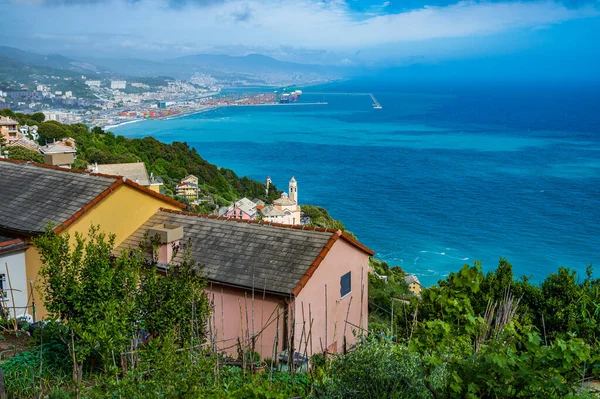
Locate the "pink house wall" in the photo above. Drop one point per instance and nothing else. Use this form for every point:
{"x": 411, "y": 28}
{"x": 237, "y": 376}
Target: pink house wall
{"x": 229, "y": 324}
{"x": 235, "y": 213}
{"x": 341, "y": 259}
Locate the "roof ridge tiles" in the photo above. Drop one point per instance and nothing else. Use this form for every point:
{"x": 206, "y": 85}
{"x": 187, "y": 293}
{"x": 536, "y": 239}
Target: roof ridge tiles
{"x": 262, "y": 222}
{"x": 337, "y": 232}
{"x": 122, "y": 179}
{"x": 41, "y": 165}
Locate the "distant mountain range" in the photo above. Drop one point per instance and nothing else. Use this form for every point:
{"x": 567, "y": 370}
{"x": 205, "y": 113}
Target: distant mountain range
{"x": 255, "y": 67}
{"x": 55, "y": 61}
{"x": 252, "y": 63}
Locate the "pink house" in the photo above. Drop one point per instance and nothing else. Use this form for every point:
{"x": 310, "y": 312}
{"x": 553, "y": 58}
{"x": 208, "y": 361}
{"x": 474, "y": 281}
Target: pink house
{"x": 242, "y": 209}
{"x": 274, "y": 287}
{"x": 237, "y": 213}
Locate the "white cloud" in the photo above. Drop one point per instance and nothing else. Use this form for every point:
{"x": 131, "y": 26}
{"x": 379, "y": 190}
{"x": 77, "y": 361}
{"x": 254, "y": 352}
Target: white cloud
{"x": 331, "y": 25}
{"x": 309, "y": 24}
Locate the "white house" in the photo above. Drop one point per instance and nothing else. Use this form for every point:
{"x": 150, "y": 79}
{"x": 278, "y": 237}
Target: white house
{"x": 13, "y": 280}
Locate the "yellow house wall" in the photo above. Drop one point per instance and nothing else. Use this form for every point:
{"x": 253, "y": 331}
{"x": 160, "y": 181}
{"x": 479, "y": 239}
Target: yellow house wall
{"x": 121, "y": 213}
{"x": 415, "y": 288}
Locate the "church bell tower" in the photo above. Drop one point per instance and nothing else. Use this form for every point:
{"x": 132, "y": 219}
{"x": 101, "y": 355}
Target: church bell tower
{"x": 268, "y": 184}
{"x": 293, "y": 190}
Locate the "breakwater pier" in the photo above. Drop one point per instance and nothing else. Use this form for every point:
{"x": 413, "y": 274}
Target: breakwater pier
{"x": 376, "y": 104}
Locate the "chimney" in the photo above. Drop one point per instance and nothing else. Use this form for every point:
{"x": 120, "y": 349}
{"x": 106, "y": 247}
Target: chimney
{"x": 169, "y": 236}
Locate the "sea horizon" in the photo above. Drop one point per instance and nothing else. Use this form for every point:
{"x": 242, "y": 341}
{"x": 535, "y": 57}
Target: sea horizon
{"x": 440, "y": 177}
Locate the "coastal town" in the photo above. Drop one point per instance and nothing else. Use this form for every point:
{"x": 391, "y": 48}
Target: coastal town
{"x": 110, "y": 102}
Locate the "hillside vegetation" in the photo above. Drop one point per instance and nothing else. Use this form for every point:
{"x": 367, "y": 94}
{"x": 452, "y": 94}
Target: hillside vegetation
{"x": 131, "y": 333}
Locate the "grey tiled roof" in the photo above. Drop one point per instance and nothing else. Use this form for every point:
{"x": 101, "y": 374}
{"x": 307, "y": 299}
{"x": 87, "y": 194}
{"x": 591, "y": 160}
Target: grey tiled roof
{"x": 135, "y": 171}
{"x": 232, "y": 251}
{"x": 411, "y": 278}
{"x": 32, "y": 196}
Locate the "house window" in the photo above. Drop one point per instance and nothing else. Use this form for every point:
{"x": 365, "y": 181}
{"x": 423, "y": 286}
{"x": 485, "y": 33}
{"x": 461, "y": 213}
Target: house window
{"x": 3, "y": 285}
{"x": 345, "y": 284}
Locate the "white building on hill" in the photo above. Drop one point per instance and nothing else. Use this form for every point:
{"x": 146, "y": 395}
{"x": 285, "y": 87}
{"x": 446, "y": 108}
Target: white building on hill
{"x": 118, "y": 84}
{"x": 285, "y": 209}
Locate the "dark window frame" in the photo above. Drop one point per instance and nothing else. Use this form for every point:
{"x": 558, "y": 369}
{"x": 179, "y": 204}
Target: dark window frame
{"x": 345, "y": 289}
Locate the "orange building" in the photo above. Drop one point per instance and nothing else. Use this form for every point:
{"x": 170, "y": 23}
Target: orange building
{"x": 8, "y": 129}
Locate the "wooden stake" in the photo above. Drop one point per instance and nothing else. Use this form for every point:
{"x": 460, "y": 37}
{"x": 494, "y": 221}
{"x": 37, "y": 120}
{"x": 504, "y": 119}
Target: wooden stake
{"x": 30, "y": 296}
{"x": 310, "y": 332}
{"x": 242, "y": 348}
{"x": 222, "y": 318}
{"x": 262, "y": 314}
{"x": 392, "y": 321}
{"x": 41, "y": 359}
{"x": 214, "y": 319}
{"x": 306, "y": 343}
{"x": 326, "y": 323}
{"x": 362, "y": 295}
{"x": 346, "y": 323}
{"x": 304, "y": 332}
{"x": 276, "y": 347}
{"x": 210, "y": 329}
{"x": 12, "y": 298}
{"x": 405, "y": 318}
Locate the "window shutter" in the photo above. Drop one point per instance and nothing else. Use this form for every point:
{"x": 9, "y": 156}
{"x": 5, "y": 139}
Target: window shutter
{"x": 345, "y": 284}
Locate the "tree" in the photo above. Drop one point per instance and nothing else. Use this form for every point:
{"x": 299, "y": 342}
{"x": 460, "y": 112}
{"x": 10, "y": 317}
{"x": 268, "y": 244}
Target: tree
{"x": 107, "y": 302}
{"x": 38, "y": 117}
{"x": 7, "y": 112}
{"x": 24, "y": 154}
{"x": 50, "y": 131}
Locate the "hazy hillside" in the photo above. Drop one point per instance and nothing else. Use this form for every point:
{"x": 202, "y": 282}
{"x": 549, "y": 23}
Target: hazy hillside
{"x": 55, "y": 61}
{"x": 253, "y": 68}
{"x": 252, "y": 63}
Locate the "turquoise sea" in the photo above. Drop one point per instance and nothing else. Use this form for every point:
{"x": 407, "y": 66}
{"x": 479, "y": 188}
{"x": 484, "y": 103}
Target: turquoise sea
{"x": 439, "y": 177}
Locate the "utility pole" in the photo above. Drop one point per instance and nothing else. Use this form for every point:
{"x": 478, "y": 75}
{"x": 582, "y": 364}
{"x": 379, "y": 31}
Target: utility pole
{"x": 392, "y": 320}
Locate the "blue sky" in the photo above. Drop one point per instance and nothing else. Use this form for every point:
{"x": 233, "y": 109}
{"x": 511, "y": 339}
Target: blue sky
{"x": 338, "y": 32}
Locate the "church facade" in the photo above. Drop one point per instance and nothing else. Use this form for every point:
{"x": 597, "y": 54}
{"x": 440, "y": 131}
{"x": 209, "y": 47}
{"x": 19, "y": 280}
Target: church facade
{"x": 285, "y": 209}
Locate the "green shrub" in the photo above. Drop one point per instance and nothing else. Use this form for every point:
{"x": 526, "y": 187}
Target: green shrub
{"x": 24, "y": 154}
{"x": 378, "y": 369}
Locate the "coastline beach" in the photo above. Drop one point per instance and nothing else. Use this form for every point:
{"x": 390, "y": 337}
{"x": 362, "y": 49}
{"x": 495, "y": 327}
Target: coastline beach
{"x": 206, "y": 109}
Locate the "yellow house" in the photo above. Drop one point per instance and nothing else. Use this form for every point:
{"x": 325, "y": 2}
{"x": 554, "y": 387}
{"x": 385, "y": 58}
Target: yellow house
{"x": 414, "y": 285}
{"x": 34, "y": 195}
{"x": 188, "y": 188}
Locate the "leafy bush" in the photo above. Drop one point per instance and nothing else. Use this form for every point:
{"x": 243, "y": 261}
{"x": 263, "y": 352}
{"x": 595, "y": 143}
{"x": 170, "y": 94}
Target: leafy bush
{"x": 107, "y": 304}
{"x": 22, "y": 377}
{"x": 378, "y": 369}
{"x": 533, "y": 370}
{"x": 24, "y": 154}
